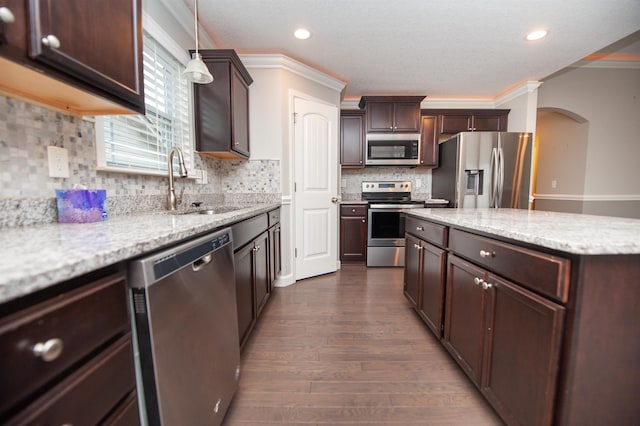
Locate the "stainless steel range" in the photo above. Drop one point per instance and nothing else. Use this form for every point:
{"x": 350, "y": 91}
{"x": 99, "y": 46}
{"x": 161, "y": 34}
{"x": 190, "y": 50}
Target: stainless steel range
{"x": 385, "y": 233}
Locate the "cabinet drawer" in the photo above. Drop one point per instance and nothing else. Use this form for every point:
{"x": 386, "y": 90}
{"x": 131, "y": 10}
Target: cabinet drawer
{"x": 538, "y": 271}
{"x": 274, "y": 217}
{"x": 126, "y": 414}
{"x": 82, "y": 320}
{"x": 89, "y": 394}
{"x": 427, "y": 231}
{"x": 353, "y": 210}
{"x": 245, "y": 231}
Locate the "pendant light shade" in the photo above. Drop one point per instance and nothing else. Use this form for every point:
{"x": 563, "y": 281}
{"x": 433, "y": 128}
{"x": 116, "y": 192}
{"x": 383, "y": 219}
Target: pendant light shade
{"x": 197, "y": 71}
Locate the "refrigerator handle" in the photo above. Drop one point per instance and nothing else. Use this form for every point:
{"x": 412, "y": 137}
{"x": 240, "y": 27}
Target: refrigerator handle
{"x": 500, "y": 177}
{"x": 494, "y": 177}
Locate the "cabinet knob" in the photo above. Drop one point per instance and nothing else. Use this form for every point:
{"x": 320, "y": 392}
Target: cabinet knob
{"x": 419, "y": 228}
{"x": 49, "y": 350}
{"x": 390, "y": 127}
{"x": 485, "y": 254}
{"x": 363, "y": 221}
{"x": 486, "y": 285}
{"x": 478, "y": 281}
{"x": 353, "y": 210}
{"x": 51, "y": 41}
{"x": 6, "y": 16}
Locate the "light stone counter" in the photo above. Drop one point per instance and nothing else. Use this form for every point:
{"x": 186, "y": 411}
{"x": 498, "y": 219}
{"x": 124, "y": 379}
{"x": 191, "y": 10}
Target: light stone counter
{"x": 35, "y": 257}
{"x": 570, "y": 233}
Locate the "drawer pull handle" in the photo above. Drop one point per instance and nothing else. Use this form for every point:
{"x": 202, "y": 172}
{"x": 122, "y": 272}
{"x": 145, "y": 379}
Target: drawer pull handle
{"x": 486, "y": 286}
{"x": 485, "y": 254}
{"x": 353, "y": 210}
{"x": 6, "y": 16}
{"x": 477, "y": 281}
{"x": 419, "y": 228}
{"x": 51, "y": 41}
{"x": 49, "y": 350}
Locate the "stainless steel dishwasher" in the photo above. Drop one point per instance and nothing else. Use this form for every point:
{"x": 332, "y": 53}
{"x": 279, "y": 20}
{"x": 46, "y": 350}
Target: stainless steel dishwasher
{"x": 185, "y": 321}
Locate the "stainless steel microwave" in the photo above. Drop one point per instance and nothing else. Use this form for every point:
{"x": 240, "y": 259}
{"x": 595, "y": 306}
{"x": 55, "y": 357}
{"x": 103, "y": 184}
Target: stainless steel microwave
{"x": 392, "y": 149}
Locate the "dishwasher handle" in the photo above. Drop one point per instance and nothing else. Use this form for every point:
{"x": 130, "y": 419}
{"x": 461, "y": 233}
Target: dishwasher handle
{"x": 202, "y": 262}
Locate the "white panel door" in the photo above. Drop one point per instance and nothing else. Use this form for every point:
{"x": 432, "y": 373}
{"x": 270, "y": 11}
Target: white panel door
{"x": 316, "y": 184}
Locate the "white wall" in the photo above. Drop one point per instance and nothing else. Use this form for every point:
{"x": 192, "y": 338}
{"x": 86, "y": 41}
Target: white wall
{"x": 522, "y": 102}
{"x": 609, "y": 99}
{"x": 276, "y": 79}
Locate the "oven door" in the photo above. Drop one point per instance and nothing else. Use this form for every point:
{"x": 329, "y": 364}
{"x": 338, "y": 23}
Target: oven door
{"x": 385, "y": 227}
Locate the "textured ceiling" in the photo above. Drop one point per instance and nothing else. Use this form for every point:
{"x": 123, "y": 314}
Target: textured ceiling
{"x": 444, "y": 49}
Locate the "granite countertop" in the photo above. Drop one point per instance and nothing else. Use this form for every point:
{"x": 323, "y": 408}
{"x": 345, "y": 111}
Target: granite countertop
{"x": 36, "y": 257}
{"x": 570, "y": 233}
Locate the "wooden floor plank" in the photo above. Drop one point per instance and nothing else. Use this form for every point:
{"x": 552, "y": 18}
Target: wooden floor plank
{"x": 347, "y": 349}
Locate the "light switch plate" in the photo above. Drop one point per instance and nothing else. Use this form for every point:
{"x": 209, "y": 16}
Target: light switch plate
{"x": 58, "y": 162}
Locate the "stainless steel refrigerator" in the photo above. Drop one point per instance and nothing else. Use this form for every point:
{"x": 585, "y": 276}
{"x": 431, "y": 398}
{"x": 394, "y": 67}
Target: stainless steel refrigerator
{"x": 484, "y": 169}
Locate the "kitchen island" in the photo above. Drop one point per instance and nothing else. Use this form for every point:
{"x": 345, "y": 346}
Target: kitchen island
{"x": 539, "y": 309}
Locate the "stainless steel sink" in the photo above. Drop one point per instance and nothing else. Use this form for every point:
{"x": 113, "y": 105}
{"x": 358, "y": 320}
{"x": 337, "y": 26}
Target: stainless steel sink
{"x": 215, "y": 210}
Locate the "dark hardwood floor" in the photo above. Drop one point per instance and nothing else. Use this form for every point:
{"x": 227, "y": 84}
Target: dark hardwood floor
{"x": 346, "y": 349}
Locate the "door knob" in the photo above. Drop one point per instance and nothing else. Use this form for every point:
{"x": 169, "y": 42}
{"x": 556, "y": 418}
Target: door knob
{"x": 335, "y": 200}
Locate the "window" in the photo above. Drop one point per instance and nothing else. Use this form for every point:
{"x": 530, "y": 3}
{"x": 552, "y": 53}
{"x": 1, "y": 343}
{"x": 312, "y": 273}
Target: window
{"x": 140, "y": 143}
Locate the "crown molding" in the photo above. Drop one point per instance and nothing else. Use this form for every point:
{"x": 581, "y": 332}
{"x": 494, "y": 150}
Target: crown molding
{"x": 523, "y": 89}
{"x": 458, "y": 103}
{"x": 279, "y": 61}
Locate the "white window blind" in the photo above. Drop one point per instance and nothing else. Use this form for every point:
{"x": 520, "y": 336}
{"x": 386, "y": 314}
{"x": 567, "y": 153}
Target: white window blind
{"x": 141, "y": 142}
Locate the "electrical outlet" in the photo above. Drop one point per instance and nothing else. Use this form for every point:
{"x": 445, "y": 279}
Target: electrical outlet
{"x": 58, "y": 162}
{"x": 343, "y": 183}
{"x": 418, "y": 183}
{"x": 200, "y": 175}
{"x": 554, "y": 183}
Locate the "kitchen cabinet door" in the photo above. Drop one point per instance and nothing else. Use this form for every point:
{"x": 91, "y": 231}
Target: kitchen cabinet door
{"x": 464, "y": 324}
{"x": 452, "y": 124}
{"x": 222, "y": 107}
{"x": 389, "y": 114}
{"x": 353, "y": 233}
{"x": 432, "y": 284}
{"x": 406, "y": 117}
{"x": 352, "y": 138}
{"x": 490, "y": 123}
{"x": 243, "y": 261}
{"x": 58, "y": 55}
{"x": 412, "y": 269}
{"x": 522, "y": 353}
{"x": 429, "y": 141}
{"x": 261, "y": 280}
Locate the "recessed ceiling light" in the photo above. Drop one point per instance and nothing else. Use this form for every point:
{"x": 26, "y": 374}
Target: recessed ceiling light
{"x": 302, "y": 34}
{"x": 536, "y": 35}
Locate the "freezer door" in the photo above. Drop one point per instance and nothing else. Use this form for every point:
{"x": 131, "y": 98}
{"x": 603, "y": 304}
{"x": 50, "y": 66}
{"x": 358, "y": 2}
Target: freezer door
{"x": 515, "y": 169}
{"x": 475, "y": 175}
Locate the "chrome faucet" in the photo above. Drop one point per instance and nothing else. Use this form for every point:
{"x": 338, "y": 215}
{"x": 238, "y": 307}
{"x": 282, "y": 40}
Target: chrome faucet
{"x": 171, "y": 199}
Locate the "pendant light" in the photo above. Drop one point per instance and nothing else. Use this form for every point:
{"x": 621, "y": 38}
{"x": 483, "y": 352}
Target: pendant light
{"x": 197, "y": 71}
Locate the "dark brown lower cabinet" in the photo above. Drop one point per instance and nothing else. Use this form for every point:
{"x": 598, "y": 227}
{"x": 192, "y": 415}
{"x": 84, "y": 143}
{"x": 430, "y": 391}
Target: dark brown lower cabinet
{"x": 242, "y": 260}
{"x": 465, "y": 316}
{"x": 255, "y": 248}
{"x": 430, "y": 308}
{"x": 412, "y": 265}
{"x": 506, "y": 339}
{"x": 522, "y": 353}
{"x": 353, "y": 232}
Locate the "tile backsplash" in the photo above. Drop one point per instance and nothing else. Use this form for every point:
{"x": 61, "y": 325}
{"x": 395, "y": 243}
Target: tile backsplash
{"x": 27, "y": 193}
{"x": 352, "y": 179}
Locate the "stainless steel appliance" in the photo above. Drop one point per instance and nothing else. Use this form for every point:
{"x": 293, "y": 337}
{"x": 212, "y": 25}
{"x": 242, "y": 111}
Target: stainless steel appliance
{"x": 484, "y": 169}
{"x": 385, "y": 233}
{"x": 186, "y": 326}
{"x": 392, "y": 149}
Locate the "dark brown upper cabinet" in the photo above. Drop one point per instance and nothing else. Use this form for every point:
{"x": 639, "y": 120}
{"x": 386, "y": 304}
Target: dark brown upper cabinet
{"x": 352, "y": 138}
{"x": 429, "y": 141}
{"x": 61, "y": 54}
{"x": 452, "y": 121}
{"x": 222, "y": 107}
{"x": 391, "y": 114}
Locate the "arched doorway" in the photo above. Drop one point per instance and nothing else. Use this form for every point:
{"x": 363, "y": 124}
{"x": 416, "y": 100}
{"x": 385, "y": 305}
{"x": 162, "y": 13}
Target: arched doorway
{"x": 561, "y": 139}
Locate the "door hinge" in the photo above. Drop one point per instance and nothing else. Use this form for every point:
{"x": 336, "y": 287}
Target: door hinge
{"x": 295, "y": 252}
{"x": 295, "y": 187}
{"x": 295, "y": 117}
